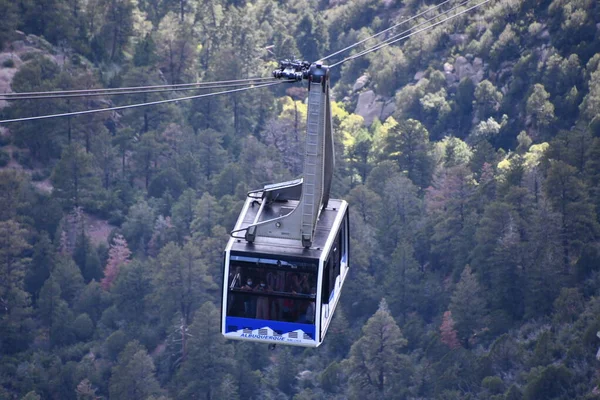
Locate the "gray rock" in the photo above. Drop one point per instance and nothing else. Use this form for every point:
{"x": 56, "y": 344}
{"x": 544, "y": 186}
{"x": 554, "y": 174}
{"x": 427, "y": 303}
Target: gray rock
{"x": 464, "y": 69}
{"x": 451, "y": 79}
{"x": 17, "y": 45}
{"x": 19, "y": 35}
{"x": 10, "y": 56}
{"x": 419, "y": 75}
{"x": 371, "y": 106}
{"x": 460, "y": 61}
{"x": 458, "y": 38}
{"x": 389, "y": 108}
{"x": 448, "y": 68}
{"x": 360, "y": 83}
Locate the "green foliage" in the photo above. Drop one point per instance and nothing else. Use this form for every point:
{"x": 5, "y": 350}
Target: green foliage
{"x": 75, "y": 184}
{"x": 86, "y": 258}
{"x": 115, "y": 344}
{"x": 181, "y": 282}
{"x": 375, "y": 363}
{"x": 15, "y": 300}
{"x": 468, "y": 306}
{"x": 408, "y": 144}
{"x": 133, "y": 376}
{"x": 4, "y": 158}
{"x": 493, "y": 384}
{"x": 209, "y": 358}
{"x": 552, "y": 382}
{"x": 83, "y": 327}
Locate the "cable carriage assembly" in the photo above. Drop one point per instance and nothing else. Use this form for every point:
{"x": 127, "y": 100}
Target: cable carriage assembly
{"x": 287, "y": 258}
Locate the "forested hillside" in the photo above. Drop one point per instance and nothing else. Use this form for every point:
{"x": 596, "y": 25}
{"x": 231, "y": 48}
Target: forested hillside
{"x": 469, "y": 155}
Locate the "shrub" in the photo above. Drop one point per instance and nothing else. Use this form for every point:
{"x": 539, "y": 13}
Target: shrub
{"x": 83, "y": 327}
{"x": 115, "y": 343}
{"x": 4, "y": 158}
{"x": 8, "y": 63}
{"x": 40, "y": 175}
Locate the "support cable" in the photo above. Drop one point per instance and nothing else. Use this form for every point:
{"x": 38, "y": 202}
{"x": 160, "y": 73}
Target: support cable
{"x": 68, "y": 114}
{"x": 125, "y": 92}
{"x": 180, "y": 85}
{"x": 379, "y": 46}
{"x": 385, "y": 30}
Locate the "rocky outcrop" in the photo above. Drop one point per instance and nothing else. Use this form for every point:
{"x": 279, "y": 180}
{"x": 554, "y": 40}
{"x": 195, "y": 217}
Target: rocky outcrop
{"x": 371, "y": 106}
{"x": 19, "y": 51}
{"x": 462, "y": 68}
{"x": 360, "y": 83}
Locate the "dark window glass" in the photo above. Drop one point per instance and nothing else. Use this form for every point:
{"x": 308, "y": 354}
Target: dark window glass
{"x": 272, "y": 289}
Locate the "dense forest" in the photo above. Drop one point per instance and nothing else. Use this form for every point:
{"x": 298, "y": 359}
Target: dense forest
{"x": 469, "y": 155}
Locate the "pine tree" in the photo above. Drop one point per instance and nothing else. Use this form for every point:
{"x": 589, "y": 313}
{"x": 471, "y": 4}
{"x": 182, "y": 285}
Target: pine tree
{"x": 451, "y": 211}
{"x": 468, "y": 306}
{"x": 86, "y": 257}
{"x": 73, "y": 178}
{"x": 54, "y": 313}
{"x": 540, "y": 109}
{"x": 375, "y": 361}
{"x": 206, "y": 215}
{"x": 447, "y": 332}
{"x": 132, "y": 290}
{"x": 14, "y": 300}
{"x": 402, "y": 280}
{"x": 408, "y": 144}
{"x": 118, "y": 255}
{"x": 181, "y": 284}
{"x": 566, "y": 192}
{"x": 133, "y": 378}
{"x": 209, "y": 360}
{"x": 68, "y": 276}
{"x": 42, "y": 263}
{"x": 182, "y": 213}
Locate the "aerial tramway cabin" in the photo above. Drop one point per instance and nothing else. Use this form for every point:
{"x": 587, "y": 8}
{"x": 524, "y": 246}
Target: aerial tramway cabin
{"x": 288, "y": 255}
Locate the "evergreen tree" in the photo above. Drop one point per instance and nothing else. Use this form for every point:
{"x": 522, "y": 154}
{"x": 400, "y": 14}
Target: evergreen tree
{"x": 9, "y": 22}
{"x": 566, "y": 192}
{"x": 117, "y": 28}
{"x": 181, "y": 283}
{"x": 118, "y": 255}
{"x": 408, "y": 144}
{"x": 449, "y": 335}
{"x": 182, "y": 213}
{"x": 131, "y": 290}
{"x": 42, "y": 263}
{"x": 74, "y": 181}
{"x": 539, "y": 109}
{"x": 68, "y": 276}
{"x": 209, "y": 360}
{"x": 133, "y": 376}
{"x": 468, "y": 306}
{"x": 55, "y": 313}
{"x": 375, "y": 362}
{"x": 86, "y": 258}
{"x": 206, "y": 213}
{"x": 14, "y": 300}
{"x": 139, "y": 225}
{"x": 449, "y": 203}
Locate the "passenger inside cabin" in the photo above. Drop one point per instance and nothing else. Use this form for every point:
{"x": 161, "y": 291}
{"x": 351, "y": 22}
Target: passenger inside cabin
{"x": 262, "y": 303}
{"x": 307, "y": 315}
{"x": 249, "y": 301}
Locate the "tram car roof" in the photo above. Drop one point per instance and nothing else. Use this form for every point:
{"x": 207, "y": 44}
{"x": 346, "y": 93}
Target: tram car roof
{"x": 264, "y": 246}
